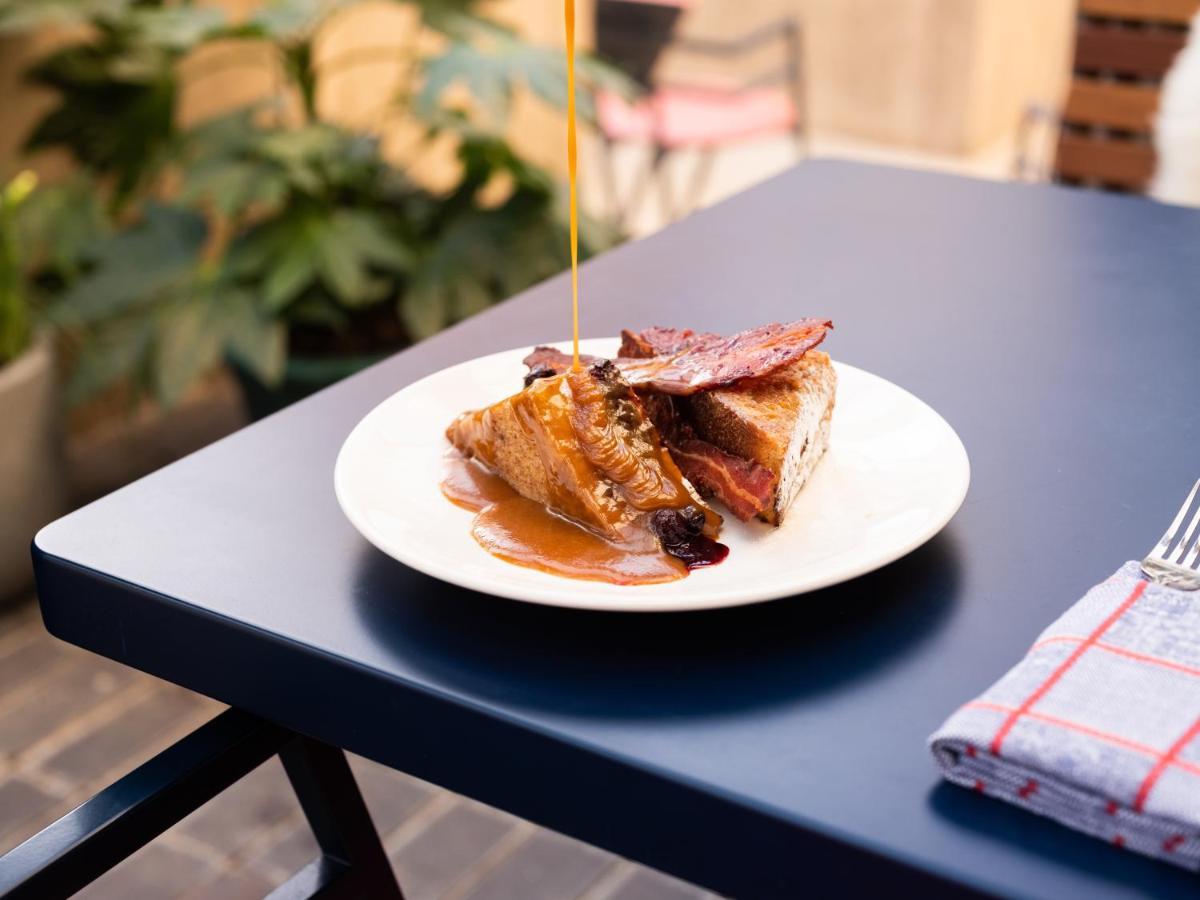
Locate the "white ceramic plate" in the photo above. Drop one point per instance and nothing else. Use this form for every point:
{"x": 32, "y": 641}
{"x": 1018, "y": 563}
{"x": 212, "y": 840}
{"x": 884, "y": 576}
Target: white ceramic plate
{"x": 894, "y": 475}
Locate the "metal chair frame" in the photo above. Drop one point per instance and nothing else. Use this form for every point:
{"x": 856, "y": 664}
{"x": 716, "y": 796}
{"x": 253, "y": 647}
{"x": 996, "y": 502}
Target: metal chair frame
{"x": 789, "y": 33}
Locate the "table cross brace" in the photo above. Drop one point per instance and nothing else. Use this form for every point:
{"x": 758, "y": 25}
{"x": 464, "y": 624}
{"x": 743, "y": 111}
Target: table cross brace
{"x": 91, "y": 839}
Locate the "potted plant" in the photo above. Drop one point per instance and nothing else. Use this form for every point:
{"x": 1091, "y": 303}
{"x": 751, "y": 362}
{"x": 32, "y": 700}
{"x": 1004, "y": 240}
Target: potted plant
{"x": 297, "y": 251}
{"x": 31, "y": 480}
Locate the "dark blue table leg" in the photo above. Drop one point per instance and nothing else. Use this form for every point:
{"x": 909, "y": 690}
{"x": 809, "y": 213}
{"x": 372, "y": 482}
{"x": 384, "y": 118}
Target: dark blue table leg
{"x": 91, "y": 839}
{"x": 352, "y": 862}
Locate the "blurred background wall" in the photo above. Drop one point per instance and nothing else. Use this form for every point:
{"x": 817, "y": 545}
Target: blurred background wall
{"x": 947, "y": 77}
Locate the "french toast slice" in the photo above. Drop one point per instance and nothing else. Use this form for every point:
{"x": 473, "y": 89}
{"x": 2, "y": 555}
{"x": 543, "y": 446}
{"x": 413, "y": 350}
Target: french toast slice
{"x": 779, "y": 422}
{"x": 581, "y": 445}
{"x": 753, "y": 441}
{"x": 753, "y": 444}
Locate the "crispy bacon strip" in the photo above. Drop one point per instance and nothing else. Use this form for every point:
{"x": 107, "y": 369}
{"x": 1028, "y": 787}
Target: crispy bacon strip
{"x": 711, "y": 361}
{"x": 659, "y": 341}
{"x": 704, "y": 361}
{"x": 745, "y": 487}
{"x": 549, "y": 361}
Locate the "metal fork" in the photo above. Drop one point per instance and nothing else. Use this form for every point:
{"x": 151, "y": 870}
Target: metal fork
{"x": 1176, "y": 566}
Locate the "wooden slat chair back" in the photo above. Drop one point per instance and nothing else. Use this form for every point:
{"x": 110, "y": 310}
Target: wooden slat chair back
{"x": 1123, "y": 50}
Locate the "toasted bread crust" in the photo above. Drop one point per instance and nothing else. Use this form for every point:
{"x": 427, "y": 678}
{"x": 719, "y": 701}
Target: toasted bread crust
{"x": 780, "y": 422}
{"x": 515, "y": 438}
{"x": 513, "y": 451}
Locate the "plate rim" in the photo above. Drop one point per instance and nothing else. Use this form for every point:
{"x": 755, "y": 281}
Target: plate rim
{"x": 639, "y": 600}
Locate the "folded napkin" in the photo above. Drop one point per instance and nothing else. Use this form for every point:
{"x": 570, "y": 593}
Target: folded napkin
{"x": 1098, "y": 727}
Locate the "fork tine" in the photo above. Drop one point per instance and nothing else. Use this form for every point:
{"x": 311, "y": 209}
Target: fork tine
{"x": 1161, "y": 549}
{"x": 1186, "y": 541}
{"x": 1191, "y": 558}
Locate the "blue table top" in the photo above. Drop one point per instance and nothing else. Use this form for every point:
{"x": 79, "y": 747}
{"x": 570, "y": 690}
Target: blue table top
{"x": 760, "y": 750}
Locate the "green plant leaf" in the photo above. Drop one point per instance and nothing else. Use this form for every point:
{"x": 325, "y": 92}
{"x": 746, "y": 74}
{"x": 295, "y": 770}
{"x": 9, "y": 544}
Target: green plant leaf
{"x": 458, "y": 21}
{"x": 345, "y": 250}
{"x": 256, "y": 341}
{"x": 318, "y": 310}
{"x": 115, "y": 109}
{"x": 372, "y": 240}
{"x": 290, "y": 274}
{"x": 492, "y": 61}
{"x": 306, "y": 155}
{"x": 232, "y": 186}
{"x": 470, "y": 297}
{"x": 134, "y": 267}
{"x": 340, "y": 266}
{"x": 178, "y": 27}
{"x": 15, "y": 313}
{"x": 189, "y": 342}
{"x": 488, "y": 77}
{"x": 424, "y": 310}
{"x": 59, "y": 225}
{"x": 33, "y": 15}
{"x": 114, "y": 353}
{"x": 290, "y": 20}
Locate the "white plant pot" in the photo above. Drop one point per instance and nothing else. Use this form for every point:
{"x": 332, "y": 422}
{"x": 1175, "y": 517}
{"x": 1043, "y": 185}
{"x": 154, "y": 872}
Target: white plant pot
{"x": 32, "y": 482}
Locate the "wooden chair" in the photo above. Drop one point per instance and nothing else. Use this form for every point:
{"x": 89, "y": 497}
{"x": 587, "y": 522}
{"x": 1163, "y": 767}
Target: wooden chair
{"x": 677, "y": 116}
{"x": 1123, "y": 49}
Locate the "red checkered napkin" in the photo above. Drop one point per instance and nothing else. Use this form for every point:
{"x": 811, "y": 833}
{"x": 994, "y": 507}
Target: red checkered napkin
{"x": 1098, "y": 727}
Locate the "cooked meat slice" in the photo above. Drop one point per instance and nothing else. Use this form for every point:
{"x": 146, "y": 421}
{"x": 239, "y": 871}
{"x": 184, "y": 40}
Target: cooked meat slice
{"x": 659, "y": 341}
{"x": 708, "y": 361}
{"x": 746, "y": 488}
{"x": 711, "y": 361}
{"x": 547, "y": 361}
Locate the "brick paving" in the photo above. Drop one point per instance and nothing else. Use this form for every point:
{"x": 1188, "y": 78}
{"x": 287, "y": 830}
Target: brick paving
{"x": 71, "y": 723}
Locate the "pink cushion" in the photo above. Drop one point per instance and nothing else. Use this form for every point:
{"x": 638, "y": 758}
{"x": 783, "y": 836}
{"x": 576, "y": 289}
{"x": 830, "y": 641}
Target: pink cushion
{"x": 695, "y": 117}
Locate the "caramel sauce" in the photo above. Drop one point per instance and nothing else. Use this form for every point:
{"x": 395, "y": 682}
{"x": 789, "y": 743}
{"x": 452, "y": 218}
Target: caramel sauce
{"x": 525, "y": 532}
{"x": 558, "y": 440}
{"x": 572, "y": 166}
{"x": 599, "y": 496}
{"x": 601, "y": 499}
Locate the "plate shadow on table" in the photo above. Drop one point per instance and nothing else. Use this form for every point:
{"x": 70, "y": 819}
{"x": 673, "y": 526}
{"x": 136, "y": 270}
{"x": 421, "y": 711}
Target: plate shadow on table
{"x": 1001, "y": 821}
{"x": 658, "y": 664}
